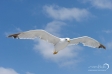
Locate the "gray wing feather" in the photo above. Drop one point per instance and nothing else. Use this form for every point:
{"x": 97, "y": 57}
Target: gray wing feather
{"x": 87, "y": 41}
{"x": 32, "y": 34}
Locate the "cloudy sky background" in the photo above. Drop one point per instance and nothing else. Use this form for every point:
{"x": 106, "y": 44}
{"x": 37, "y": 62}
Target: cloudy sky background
{"x": 63, "y": 19}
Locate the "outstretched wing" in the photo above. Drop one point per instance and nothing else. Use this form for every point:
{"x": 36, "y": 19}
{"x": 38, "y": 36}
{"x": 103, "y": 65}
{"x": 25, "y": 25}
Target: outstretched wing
{"x": 87, "y": 41}
{"x": 31, "y": 34}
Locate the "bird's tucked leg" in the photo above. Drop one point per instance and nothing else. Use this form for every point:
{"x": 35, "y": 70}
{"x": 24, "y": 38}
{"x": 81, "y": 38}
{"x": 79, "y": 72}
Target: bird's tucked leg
{"x": 55, "y": 52}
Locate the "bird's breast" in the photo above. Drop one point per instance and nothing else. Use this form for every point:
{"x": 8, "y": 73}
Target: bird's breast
{"x": 60, "y": 45}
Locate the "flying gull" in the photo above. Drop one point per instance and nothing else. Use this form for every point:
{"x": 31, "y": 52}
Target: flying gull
{"x": 59, "y": 43}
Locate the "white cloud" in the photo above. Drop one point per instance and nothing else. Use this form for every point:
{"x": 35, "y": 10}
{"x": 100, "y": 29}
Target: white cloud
{"x": 29, "y": 73}
{"x": 18, "y": 29}
{"x": 46, "y": 49}
{"x": 62, "y": 13}
{"x": 107, "y": 31}
{"x": 55, "y": 27}
{"x": 103, "y": 4}
{"x": 65, "y": 57}
{"x": 7, "y": 71}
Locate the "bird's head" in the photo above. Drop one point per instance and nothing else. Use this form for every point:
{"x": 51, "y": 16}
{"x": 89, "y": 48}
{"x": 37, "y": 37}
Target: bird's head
{"x": 67, "y": 39}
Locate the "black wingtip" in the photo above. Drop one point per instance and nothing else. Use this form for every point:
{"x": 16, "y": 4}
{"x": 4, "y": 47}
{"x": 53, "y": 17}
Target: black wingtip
{"x": 14, "y": 35}
{"x": 102, "y": 46}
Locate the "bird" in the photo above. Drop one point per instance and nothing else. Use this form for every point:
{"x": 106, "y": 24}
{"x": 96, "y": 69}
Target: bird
{"x": 59, "y": 43}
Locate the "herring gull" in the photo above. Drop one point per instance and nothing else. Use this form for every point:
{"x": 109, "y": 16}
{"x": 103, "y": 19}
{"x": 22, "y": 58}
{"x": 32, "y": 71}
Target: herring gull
{"x": 59, "y": 43}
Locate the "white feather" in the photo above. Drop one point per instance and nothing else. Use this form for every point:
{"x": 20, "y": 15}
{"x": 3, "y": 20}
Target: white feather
{"x": 39, "y": 33}
{"x": 86, "y": 41}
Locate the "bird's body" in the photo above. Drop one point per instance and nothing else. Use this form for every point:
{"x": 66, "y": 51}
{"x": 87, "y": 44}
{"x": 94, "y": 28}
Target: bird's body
{"x": 59, "y": 43}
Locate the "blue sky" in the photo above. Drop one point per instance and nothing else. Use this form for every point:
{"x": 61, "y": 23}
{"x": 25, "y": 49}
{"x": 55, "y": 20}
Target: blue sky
{"x": 73, "y": 18}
